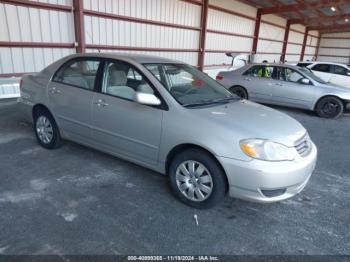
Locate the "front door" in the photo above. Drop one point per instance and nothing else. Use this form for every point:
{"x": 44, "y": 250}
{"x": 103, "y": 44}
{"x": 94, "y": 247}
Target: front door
{"x": 289, "y": 89}
{"x": 341, "y": 76}
{"x": 70, "y": 96}
{"x": 121, "y": 125}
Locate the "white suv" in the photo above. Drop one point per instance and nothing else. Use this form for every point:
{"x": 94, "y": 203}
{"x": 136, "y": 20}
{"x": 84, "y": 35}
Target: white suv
{"x": 338, "y": 74}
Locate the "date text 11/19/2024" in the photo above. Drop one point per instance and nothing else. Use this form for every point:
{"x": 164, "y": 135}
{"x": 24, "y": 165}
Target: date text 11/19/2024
{"x": 173, "y": 258}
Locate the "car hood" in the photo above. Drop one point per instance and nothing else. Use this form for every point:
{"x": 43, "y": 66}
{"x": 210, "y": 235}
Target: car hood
{"x": 251, "y": 120}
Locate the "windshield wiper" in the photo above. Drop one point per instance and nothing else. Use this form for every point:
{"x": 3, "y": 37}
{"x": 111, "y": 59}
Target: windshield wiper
{"x": 210, "y": 102}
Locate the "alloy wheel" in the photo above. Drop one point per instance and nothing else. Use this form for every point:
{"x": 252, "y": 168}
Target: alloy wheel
{"x": 194, "y": 180}
{"x": 44, "y": 129}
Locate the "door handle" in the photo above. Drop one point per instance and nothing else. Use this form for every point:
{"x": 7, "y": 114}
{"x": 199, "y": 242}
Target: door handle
{"x": 101, "y": 103}
{"x": 247, "y": 79}
{"x": 54, "y": 90}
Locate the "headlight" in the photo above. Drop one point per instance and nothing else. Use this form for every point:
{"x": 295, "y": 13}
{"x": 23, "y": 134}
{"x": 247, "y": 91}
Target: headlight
{"x": 266, "y": 150}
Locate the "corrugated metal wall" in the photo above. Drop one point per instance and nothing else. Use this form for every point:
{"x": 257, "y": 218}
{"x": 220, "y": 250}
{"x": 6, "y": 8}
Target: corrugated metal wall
{"x": 169, "y": 28}
{"x": 23, "y": 24}
{"x": 228, "y": 31}
{"x": 271, "y": 36}
{"x": 295, "y": 43}
{"x": 311, "y": 45}
{"x": 335, "y": 47}
{"x": 135, "y": 36}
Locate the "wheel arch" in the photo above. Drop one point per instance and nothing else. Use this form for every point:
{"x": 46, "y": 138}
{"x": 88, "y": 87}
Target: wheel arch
{"x": 325, "y": 96}
{"x": 39, "y": 107}
{"x": 245, "y": 89}
{"x": 182, "y": 147}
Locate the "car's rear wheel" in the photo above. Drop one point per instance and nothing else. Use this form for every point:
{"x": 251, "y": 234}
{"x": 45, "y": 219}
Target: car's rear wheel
{"x": 46, "y": 130}
{"x": 239, "y": 91}
{"x": 197, "y": 179}
{"x": 329, "y": 107}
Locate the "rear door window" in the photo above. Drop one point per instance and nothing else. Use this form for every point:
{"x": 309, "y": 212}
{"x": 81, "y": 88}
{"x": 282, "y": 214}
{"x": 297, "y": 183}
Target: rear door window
{"x": 263, "y": 71}
{"x": 80, "y": 73}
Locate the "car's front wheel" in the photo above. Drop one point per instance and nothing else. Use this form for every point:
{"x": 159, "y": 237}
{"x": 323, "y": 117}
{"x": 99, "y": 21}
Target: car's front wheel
{"x": 197, "y": 179}
{"x": 329, "y": 107}
{"x": 46, "y": 129}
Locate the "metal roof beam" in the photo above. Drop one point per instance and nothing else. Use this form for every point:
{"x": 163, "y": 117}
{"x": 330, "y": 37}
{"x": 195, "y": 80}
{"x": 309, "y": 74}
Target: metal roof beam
{"x": 317, "y": 19}
{"x": 323, "y": 29}
{"x": 301, "y": 6}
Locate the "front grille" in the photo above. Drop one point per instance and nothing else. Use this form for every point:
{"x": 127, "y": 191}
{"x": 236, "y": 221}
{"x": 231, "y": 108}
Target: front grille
{"x": 303, "y": 145}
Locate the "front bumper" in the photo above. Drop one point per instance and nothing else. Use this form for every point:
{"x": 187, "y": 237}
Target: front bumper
{"x": 264, "y": 181}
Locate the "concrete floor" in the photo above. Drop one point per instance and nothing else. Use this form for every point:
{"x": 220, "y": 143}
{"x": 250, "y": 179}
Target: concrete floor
{"x": 76, "y": 200}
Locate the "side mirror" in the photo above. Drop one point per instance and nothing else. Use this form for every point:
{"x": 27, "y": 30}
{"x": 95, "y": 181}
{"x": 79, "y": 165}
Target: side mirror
{"x": 348, "y": 73}
{"x": 305, "y": 81}
{"x": 147, "y": 99}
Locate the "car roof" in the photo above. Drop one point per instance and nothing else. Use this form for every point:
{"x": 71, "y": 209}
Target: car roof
{"x": 138, "y": 58}
{"x": 273, "y": 64}
{"x": 329, "y": 63}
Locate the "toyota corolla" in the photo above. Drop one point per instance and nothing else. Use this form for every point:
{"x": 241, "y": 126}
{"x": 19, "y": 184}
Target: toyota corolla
{"x": 170, "y": 117}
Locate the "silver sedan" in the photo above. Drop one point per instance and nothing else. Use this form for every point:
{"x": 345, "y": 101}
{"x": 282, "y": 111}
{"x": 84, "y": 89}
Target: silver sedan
{"x": 287, "y": 85}
{"x": 170, "y": 117}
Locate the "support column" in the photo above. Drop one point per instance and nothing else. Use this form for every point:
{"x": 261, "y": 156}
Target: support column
{"x": 256, "y": 31}
{"x": 79, "y": 25}
{"x": 318, "y": 46}
{"x": 203, "y": 34}
{"x": 285, "y": 42}
{"x": 304, "y": 44}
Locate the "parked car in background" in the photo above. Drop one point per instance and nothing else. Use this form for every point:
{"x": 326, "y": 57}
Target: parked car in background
{"x": 334, "y": 73}
{"x": 174, "y": 119}
{"x": 287, "y": 85}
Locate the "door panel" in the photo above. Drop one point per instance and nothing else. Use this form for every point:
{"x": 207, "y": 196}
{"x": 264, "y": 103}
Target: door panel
{"x": 121, "y": 125}
{"x": 258, "y": 82}
{"x": 70, "y": 96}
{"x": 71, "y": 107}
{"x": 323, "y": 71}
{"x": 289, "y": 90}
{"x": 126, "y": 127}
{"x": 340, "y": 76}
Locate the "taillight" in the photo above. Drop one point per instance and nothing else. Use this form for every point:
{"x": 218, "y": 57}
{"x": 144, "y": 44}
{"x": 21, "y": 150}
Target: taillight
{"x": 219, "y": 77}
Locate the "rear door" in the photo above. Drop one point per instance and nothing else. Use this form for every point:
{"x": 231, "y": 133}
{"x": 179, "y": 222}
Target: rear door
{"x": 258, "y": 82}
{"x": 70, "y": 96}
{"x": 323, "y": 71}
{"x": 289, "y": 89}
{"x": 121, "y": 125}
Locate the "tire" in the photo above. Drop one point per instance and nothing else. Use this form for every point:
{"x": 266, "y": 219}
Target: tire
{"x": 46, "y": 130}
{"x": 239, "y": 91}
{"x": 209, "y": 175}
{"x": 329, "y": 107}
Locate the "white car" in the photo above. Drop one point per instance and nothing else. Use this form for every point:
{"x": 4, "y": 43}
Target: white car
{"x": 338, "y": 74}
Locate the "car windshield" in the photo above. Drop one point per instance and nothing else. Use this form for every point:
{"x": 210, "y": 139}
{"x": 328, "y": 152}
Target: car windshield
{"x": 189, "y": 86}
{"x": 310, "y": 74}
